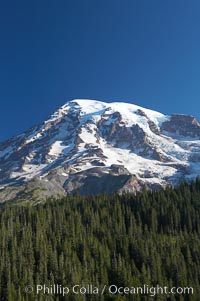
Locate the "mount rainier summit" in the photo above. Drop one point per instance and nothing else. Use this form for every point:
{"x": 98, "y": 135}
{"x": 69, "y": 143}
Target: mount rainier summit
{"x": 93, "y": 147}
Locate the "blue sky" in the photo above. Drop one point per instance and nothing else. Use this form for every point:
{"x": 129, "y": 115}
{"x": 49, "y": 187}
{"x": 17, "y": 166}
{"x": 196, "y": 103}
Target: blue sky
{"x": 145, "y": 52}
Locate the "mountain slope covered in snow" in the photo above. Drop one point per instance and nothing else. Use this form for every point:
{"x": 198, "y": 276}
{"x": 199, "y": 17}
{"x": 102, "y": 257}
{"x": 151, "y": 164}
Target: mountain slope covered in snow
{"x": 91, "y": 147}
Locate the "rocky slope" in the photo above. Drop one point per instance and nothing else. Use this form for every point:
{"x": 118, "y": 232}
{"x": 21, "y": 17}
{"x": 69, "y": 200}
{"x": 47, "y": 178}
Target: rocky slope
{"x": 92, "y": 147}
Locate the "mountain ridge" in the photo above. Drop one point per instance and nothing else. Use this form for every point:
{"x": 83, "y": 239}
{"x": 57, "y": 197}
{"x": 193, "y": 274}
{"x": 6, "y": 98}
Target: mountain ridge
{"x": 91, "y": 147}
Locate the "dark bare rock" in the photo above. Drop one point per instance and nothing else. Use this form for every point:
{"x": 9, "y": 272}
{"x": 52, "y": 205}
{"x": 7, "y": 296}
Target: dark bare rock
{"x": 182, "y": 125}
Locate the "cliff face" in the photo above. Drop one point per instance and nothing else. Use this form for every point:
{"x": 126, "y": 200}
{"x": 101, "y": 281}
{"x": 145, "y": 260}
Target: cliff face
{"x": 182, "y": 125}
{"x": 92, "y": 147}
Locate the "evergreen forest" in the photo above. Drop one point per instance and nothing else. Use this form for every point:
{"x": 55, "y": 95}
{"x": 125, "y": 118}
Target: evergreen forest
{"x": 128, "y": 240}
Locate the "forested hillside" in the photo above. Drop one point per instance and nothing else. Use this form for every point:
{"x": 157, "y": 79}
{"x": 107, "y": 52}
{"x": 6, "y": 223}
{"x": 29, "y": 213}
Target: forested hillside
{"x": 152, "y": 238}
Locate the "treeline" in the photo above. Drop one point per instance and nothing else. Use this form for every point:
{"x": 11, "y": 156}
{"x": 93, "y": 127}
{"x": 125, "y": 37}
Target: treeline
{"x": 129, "y": 240}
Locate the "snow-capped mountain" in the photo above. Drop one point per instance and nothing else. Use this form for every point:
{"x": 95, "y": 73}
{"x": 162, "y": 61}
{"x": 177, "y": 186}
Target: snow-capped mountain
{"x": 91, "y": 147}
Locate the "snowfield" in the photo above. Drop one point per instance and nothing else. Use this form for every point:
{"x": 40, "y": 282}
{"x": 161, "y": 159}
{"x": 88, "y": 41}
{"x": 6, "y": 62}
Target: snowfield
{"x": 87, "y": 134}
